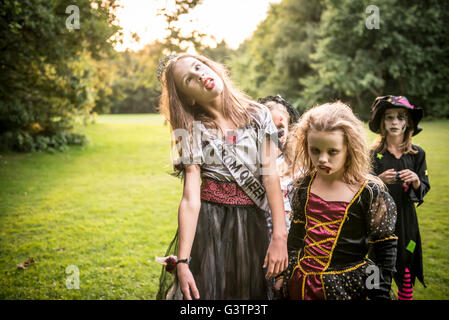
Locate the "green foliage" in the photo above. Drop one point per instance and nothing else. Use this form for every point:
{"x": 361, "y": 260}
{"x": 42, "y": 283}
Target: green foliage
{"x": 221, "y": 53}
{"x": 46, "y": 77}
{"x": 405, "y": 56}
{"x": 178, "y": 40}
{"x": 277, "y": 56}
{"x": 313, "y": 52}
{"x": 23, "y": 141}
{"x": 128, "y": 83}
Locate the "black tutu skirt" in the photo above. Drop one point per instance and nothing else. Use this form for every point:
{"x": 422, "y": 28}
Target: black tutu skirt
{"x": 227, "y": 255}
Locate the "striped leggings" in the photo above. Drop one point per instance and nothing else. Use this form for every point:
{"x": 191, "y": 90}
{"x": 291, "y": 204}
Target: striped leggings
{"x": 405, "y": 290}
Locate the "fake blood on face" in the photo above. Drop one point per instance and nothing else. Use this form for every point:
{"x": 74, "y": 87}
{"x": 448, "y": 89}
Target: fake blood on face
{"x": 327, "y": 169}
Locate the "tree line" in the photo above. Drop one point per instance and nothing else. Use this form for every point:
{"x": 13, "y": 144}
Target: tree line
{"x": 313, "y": 52}
{"x": 309, "y": 52}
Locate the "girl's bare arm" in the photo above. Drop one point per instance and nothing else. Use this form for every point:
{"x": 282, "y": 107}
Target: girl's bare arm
{"x": 187, "y": 220}
{"x": 277, "y": 256}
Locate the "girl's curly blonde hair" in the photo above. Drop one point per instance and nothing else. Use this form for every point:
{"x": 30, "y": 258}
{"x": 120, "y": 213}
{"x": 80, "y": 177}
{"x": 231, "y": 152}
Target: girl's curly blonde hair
{"x": 330, "y": 117}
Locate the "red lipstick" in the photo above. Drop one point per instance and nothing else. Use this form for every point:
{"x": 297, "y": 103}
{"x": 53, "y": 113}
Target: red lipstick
{"x": 209, "y": 83}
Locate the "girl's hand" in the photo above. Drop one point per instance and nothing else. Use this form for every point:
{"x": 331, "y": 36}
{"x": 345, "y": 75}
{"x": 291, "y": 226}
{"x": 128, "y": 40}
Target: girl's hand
{"x": 186, "y": 281}
{"x": 408, "y": 176}
{"x": 276, "y": 258}
{"x": 278, "y": 284}
{"x": 278, "y": 290}
{"x": 388, "y": 176}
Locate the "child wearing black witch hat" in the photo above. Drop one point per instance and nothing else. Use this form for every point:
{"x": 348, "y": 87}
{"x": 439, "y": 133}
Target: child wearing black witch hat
{"x": 402, "y": 166}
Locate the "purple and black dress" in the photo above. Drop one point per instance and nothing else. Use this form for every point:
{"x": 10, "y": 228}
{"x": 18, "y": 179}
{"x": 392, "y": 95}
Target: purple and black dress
{"x": 329, "y": 241}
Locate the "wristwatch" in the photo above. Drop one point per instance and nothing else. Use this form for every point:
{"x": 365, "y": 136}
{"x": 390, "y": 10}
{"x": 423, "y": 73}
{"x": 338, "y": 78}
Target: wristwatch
{"x": 184, "y": 261}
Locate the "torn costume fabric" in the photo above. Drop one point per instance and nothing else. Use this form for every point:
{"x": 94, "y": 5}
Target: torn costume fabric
{"x": 234, "y": 222}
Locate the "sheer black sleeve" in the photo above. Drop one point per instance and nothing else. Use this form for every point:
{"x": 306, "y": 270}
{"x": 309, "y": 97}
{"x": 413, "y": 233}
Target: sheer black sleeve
{"x": 296, "y": 234}
{"x": 382, "y": 240}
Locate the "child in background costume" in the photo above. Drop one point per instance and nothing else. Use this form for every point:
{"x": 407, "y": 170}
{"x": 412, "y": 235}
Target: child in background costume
{"x": 340, "y": 211}
{"x": 402, "y": 166}
{"x": 224, "y": 238}
{"x": 284, "y": 117}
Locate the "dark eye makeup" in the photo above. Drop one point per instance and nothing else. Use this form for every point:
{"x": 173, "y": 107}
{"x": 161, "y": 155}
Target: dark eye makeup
{"x": 331, "y": 152}
{"x": 400, "y": 116}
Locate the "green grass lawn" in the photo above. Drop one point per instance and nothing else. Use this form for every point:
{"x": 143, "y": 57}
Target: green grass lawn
{"x": 109, "y": 208}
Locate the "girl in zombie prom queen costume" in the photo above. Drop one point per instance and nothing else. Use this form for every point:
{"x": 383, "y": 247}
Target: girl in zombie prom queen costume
{"x": 402, "y": 166}
{"x": 224, "y": 249}
{"x": 340, "y": 211}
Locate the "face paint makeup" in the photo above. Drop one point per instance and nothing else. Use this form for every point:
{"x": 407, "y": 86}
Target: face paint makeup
{"x": 403, "y": 128}
{"x": 395, "y": 121}
{"x": 327, "y": 151}
{"x": 281, "y": 123}
{"x": 197, "y": 81}
{"x": 281, "y": 133}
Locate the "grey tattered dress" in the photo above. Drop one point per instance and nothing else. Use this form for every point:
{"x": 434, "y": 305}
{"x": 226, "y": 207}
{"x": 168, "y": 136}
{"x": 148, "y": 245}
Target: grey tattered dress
{"x": 231, "y": 240}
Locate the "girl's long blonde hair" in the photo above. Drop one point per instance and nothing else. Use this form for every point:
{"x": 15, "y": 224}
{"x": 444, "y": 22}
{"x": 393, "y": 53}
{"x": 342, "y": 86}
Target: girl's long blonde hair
{"x": 330, "y": 117}
{"x": 380, "y": 143}
{"x": 179, "y": 112}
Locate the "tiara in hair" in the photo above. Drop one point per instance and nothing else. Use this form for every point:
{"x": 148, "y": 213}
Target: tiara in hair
{"x": 163, "y": 64}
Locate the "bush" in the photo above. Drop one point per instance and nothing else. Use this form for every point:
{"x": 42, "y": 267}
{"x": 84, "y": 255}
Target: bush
{"x": 47, "y": 73}
{"x": 23, "y": 141}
